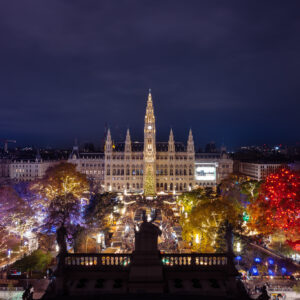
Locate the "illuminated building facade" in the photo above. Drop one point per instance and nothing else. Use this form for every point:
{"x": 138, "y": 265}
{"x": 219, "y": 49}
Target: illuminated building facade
{"x": 150, "y": 166}
{"x": 30, "y": 169}
{"x": 212, "y": 168}
{"x": 258, "y": 171}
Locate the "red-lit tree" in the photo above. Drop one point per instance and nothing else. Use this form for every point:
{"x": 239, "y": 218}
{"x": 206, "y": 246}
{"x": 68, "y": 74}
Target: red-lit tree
{"x": 277, "y": 207}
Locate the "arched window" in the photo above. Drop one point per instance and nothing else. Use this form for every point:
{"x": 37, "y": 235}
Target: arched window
{"x": 166, "y": 187}
{"x": 171, "y": 186}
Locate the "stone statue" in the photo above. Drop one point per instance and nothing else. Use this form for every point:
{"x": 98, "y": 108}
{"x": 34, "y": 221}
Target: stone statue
{"x": 146, "y": 273}
{"x": 146, "y": 237}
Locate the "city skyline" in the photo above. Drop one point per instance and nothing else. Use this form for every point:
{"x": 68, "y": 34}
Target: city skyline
{"x": 228, "y": 71}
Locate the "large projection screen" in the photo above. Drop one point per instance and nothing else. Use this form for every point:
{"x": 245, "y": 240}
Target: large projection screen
{"x": 205, "y": 172}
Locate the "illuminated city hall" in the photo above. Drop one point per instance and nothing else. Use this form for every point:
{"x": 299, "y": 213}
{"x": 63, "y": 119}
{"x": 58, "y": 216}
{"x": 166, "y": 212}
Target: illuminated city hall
{"x": 150, "y": 166}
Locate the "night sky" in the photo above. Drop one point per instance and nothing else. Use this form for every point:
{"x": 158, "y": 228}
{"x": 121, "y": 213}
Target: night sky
{"x": 230, "y": 70}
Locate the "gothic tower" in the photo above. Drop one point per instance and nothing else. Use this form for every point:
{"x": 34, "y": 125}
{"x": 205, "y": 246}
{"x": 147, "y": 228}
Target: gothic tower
{"x": 190, "y": 143}
{"x": 127, "y": 143}
{"x": 149, "y": 150}
{"x": 171, "y": 148}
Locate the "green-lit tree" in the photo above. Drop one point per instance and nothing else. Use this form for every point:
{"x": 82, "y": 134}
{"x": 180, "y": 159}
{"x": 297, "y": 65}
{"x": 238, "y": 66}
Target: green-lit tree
{"x": 204, "y": 218}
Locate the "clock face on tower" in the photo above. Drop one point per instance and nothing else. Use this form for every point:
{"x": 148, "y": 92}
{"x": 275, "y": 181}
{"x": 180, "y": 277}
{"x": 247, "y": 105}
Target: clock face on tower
{"x": 149, "y": 127}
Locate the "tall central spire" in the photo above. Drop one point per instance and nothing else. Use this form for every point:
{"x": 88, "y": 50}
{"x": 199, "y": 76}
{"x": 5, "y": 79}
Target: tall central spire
{"x": 149, "y": 149}
{"x": 149, "y": 117}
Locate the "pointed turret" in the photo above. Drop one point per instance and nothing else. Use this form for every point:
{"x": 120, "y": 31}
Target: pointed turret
{"x": 38, "y": 155}
{"x": 171, "y": 142}
{"x": 108, "y": 143}
{"x": 75, "y": 152}
{"x": 190, "y": 143}
{"x": 127, "y": 142}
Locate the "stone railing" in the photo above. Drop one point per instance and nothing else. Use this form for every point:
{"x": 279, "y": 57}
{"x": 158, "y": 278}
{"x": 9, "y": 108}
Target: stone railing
{"x": 195, "y": 260}
{"x": 169, "y": 261}
{"x": 96, "y": 261}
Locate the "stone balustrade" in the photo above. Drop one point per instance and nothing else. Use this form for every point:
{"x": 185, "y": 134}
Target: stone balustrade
{"x": 97, "y": 260}
{"x": 175, "y": 260}
{"x": 195, "y": 260}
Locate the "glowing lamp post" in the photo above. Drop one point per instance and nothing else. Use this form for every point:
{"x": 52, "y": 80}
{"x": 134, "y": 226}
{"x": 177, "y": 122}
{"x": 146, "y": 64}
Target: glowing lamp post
{"x": 238, "y": 247}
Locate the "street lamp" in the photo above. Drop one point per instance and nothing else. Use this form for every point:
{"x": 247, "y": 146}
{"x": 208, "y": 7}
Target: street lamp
{"x": 238, "y": 247}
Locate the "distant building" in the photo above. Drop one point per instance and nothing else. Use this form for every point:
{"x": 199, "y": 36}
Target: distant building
{"x": 28, "y": 170}
{"x": 212, "y": 168}
{"x": 258, "y": 171}
{"x": 90, "y": 164}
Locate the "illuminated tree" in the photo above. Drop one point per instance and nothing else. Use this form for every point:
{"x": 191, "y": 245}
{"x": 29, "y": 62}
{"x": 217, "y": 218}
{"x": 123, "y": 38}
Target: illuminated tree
{"x": 100, "y": 214}
{"x": 62, "y": 189}
{"x": 189, "y": 200}
{"x": 149, "y": 185}
{"x": 3, "y": 239}
{"x": 61, "y": 181}
{"x": 16, "y": 216}
{"x": 277, "y": 208}
{"x": 101, "y": 209}
{"x": 204, "y": 221}
{"x": 239, "y": 189}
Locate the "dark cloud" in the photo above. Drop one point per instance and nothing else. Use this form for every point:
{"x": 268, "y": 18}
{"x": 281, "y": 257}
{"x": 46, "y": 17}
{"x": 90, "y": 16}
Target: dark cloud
{"x": 228, "y": 69}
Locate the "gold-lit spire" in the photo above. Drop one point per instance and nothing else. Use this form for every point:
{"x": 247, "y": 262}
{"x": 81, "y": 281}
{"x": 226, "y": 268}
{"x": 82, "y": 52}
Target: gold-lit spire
{"x": 149, "y": 149}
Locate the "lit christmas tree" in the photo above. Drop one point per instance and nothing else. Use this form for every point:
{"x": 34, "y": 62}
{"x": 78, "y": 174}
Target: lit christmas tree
{"x": 149, "y": 185}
